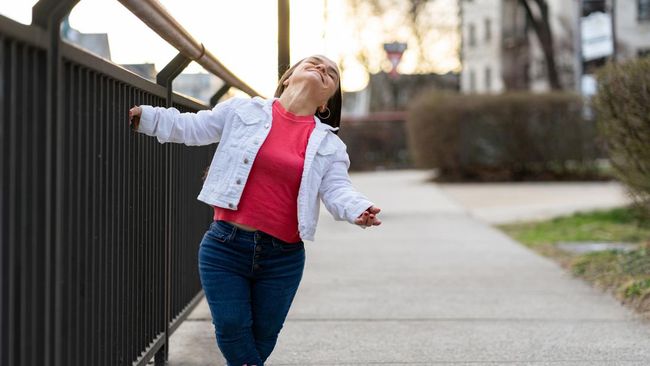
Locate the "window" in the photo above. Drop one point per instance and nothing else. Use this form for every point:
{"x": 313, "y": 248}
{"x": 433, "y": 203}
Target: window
{"x": 472, "y": 35}
{"x": 643, "y": 7}
{"x": 592, "y": 6}
{"x": 472, "y": 81}
{"x": 488, "y": 79}
{"x": 488, "y": 29}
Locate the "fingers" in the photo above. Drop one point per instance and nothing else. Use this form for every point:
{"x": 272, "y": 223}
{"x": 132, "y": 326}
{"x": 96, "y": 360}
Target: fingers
{"x": 367, "y": 219}
{"x": 373, "y": 220}
{"x": 135, "y": 112}
{"x": 134, "y": 116}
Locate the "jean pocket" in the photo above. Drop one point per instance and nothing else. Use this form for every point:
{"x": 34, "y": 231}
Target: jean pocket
{"x": 218, "y": 233}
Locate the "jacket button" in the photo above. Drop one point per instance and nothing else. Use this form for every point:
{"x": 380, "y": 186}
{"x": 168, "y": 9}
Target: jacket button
{"x": 257, "y": 267}
{"x": 245, "y": 160}
{"x": 231, "y": 205}
{"x": 238, "y": 181}
{"x": 256, "y": 142}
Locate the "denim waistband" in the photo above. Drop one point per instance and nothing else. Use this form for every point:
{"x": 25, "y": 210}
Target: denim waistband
{"x": 253, "y": 236}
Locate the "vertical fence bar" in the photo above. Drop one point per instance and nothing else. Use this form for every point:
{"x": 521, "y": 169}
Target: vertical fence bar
{"x": 87, "y": 221}
{"x": 79, "y": 237}
{"x": 3, "y": 215}
{"x": 111, "y": 214}
{"x": 98, "y": 240}
{"x": 55, "y": 110}
{"x": 13, "y": 222}
{"x": 23, "y": 253}
{"x": 68, "y": 313}
{"x": 133, "y": 240}
{"x": 41, "y": 110}
{"x": 91, "y": 241}
{"x": 122, "y": 222}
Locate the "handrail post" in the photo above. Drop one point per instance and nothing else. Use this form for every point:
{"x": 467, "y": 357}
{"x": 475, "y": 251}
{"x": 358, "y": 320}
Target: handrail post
{"x": 166, "y": 78}
{"x": 284, "y": 38}
{"x": 48, "y": 15}
{"x": 167, "y": 75}
{"x": 220, "y": 93}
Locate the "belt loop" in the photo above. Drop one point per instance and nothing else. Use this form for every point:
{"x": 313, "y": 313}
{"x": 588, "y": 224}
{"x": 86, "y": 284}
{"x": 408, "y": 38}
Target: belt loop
{"x": 233, "y": 233}
{"x": 275, "y": 242}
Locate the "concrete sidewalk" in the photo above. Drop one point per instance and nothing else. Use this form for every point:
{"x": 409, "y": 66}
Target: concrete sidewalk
{"x": 433, "y": 286}
{"x": 501, "y": 203}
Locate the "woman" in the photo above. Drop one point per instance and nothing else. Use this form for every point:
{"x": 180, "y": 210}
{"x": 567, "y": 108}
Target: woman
{"x": 274, "y": 160}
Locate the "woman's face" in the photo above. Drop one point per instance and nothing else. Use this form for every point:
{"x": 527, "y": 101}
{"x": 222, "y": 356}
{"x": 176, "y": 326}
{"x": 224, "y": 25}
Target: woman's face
{"x": 320, "y": 74}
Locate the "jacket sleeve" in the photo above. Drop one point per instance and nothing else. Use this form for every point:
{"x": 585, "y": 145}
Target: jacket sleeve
{"x": 201, "y": 128}
{"x": 337, "y": 193}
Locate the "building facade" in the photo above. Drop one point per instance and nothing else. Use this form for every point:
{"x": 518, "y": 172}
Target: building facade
{"x": 500, "y": 50}
{"x": 482, "y": 43}
{"x": 632, "y": 24}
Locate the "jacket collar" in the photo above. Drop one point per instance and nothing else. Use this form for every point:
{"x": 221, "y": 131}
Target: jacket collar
{"x": 267, "y": 106}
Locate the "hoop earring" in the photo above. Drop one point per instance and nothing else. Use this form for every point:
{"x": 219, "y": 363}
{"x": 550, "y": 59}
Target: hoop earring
{"x": 328, "y": 114}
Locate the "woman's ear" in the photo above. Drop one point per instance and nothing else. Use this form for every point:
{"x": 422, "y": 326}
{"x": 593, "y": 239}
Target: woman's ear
{"x": 322, "y": 108}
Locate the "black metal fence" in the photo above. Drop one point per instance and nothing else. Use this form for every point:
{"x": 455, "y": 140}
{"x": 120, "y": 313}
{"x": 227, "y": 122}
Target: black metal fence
{"x": 100, "y": 226}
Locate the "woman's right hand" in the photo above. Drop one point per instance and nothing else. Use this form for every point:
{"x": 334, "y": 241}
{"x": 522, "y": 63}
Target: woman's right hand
{"x": 134, "y": 117}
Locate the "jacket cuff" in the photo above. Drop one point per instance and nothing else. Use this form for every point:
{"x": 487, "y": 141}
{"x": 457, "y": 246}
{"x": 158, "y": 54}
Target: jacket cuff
{"x": 358, "y": 210}
{"x": 147, "y": 120}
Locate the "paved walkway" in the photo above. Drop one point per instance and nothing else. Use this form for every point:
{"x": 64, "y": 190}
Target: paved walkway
{"x": 500, "y": 203}
{"x": 434, "y": 286}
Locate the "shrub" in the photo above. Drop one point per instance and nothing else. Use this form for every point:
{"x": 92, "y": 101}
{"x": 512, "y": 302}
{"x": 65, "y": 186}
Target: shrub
{"x": 514, "y": 136}
{"x": 623, "y": 110}
{"x": 376, "y": 143}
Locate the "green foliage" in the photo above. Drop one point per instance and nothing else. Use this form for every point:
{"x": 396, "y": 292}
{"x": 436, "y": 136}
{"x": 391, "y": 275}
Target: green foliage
{"x": 514, "y": 136}
{"x": 615, "y": 225}
{"x": 623, "y": 109}
{"x": 637, "y": 288}
{"x": 600, "y": 267}
{"x": 626, "y": 271}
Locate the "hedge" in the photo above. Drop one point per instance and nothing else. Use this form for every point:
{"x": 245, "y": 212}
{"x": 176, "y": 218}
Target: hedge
{"x": 507, "y": 137}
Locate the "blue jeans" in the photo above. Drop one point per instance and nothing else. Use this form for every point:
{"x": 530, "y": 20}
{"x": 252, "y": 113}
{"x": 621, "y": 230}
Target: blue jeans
{"x": 249, "y": 279}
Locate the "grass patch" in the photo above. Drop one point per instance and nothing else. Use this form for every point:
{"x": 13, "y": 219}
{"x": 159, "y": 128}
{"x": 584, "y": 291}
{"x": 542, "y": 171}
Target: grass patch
{"x": 615, "y": 225}
{"x": 625, "y": 273}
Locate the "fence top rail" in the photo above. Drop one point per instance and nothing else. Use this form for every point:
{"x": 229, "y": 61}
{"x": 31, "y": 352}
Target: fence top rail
{"x": 154, "y": 15}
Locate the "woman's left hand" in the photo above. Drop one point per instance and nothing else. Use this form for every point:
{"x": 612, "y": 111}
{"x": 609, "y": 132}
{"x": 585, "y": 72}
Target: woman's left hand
{"x": 369, "y": 217}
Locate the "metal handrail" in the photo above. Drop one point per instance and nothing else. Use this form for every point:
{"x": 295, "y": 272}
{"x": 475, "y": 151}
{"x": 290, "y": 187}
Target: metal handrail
{"x": 154, "y": 15}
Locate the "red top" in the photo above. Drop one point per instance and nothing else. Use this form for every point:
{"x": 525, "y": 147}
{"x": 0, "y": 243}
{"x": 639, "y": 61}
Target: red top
{"x": 269, "y": 201}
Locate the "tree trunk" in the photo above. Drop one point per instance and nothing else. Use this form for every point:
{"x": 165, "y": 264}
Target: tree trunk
{"x": 542, "y": 29}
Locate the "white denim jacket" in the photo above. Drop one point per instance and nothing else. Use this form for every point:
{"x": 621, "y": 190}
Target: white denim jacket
{"x": 241, "y": 126}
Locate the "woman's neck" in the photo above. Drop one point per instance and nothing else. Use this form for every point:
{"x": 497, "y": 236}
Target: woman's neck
{"x": 295, "y": 100}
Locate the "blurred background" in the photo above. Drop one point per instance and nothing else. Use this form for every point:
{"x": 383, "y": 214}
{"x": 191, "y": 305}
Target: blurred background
{"x": 531, "y": 115}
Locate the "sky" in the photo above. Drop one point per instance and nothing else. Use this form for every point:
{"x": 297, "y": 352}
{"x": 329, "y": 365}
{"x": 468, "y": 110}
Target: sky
{"x": 242, "y": 34}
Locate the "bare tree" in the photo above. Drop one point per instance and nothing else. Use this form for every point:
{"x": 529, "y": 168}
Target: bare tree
{"x": 425, "y": 27}
{"x": 537, "y": 15}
